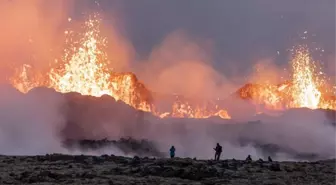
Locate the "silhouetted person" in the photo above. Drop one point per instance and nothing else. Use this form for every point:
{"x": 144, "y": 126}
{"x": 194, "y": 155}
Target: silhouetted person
{"x": 218, "y": 151}
{"x": 172, "y": 152}
{"x": 270, "y": 159}
{"x": 248, "y": 158}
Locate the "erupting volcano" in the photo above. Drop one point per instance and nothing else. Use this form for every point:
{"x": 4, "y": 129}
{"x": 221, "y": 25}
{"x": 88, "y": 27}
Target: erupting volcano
{"x": 84, "y": 69}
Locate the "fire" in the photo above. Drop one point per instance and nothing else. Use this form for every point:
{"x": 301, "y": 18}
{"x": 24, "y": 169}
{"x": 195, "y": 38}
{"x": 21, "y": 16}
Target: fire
{"x": 26, "y": 78}
{"x": 184, "y": 109}
{"x": 84, "y": 69}
{"x": 306, "y": 88}
{"x": 21, "y": 79}
{"x": 305, "y": 82}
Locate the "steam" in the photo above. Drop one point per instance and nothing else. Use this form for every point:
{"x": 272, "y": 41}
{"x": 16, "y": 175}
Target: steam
{"x": 30, "y": 35}
{"x": 303, "y": 131}
{"x": 29, "y": 123}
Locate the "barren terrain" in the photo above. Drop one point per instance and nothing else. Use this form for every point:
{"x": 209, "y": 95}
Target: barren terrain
{"x": 65, "y": 169}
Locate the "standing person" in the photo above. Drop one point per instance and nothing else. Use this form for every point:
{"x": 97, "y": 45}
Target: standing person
{"x": 172, "y": 152}
{"x": 218, "y": 151}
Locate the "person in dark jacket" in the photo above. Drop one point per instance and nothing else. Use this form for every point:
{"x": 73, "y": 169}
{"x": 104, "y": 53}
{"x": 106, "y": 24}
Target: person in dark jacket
{"x": 248, "y": 158}
{"x": 172, "y": 152}
{"x": 218, "y": 151}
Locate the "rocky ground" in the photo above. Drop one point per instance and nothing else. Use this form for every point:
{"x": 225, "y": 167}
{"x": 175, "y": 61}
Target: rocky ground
{"x": 66, "y": 169}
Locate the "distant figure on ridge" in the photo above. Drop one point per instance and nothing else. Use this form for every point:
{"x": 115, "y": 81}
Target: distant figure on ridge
{"x": 172, "y": 152}
{"x": 270, "y": 159}
{"x": 218, "y": 151}
{"x": 248, "y": 158}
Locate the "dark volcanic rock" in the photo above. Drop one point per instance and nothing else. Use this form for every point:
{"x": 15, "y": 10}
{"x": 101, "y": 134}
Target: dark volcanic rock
{"x": 136, "y": 170}
{"x": 126, "y": 145}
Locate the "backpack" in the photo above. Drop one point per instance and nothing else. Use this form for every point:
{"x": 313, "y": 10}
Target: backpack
{"x": 220, "y": 149}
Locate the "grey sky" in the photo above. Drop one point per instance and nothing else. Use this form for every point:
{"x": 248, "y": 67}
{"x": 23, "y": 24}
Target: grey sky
{"x": 241, "y": 30}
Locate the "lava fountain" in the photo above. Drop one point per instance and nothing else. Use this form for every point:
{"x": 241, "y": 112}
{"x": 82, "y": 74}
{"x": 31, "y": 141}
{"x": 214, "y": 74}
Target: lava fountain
{"x": 84, "y": 69}
{"x": 307, "y": 87}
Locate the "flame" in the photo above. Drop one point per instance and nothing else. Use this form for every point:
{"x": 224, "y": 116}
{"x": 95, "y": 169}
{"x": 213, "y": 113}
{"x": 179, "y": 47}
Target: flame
{"x": 26, "y": 78}
{"x": 305, "y": 82}
{"x": 306, "y": 89}
{"x": 184, "y": 109}
{"x": 84, "y": 69}
{"x": 267, "y": 95}
{"x": 21, "y": 79}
